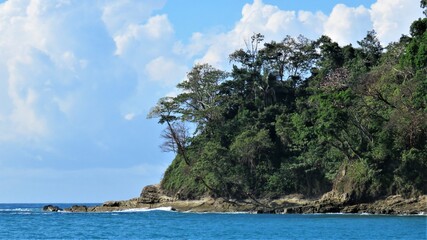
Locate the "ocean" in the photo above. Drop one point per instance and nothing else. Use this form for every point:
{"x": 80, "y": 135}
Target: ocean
{"x": 28, "y": 221}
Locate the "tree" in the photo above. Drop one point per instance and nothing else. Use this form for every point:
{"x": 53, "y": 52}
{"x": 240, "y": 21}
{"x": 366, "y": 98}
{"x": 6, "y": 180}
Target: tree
{"x": 251, "y": 150}
{"x": 371, "y": 49}
{"x": 418, "y": 28}
{"x": 290, "y": 58}
{"x": 416, "y": 51}
{"x": 175, "y": 134}
{"x": 200, "y": 100}
{"x": 249, "y": 58}
{"x": 294, "y": 115}
{"x": 251, "y": 147}
{"x": 423, "y": 4}
{"x": 331, "y": 56}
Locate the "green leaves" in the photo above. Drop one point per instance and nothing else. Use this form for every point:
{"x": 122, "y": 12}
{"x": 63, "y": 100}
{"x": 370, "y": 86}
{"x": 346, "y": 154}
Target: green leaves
{"x": 371, "y": 49}
{"x": 294, "y": 115}
{"x": 410, "y": 175}
{"x": 252, "y": 147}
{"x": 423, "y": 4}
{"x": 200, "y": 98}
{"x": 166, "y": 110}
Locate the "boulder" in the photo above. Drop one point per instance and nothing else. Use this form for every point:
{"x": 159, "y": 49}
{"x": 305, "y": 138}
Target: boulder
{"x": 51, "y": 208}
{"x": 150, "y": 194}
{"x": 77, "y": 208}
{"x": 112, "y": 204}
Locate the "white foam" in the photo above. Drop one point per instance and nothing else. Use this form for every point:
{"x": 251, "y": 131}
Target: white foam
{"x": 193, "y": 212}
{"x": 16, "y": 210}
{"x": 166, "y": 209}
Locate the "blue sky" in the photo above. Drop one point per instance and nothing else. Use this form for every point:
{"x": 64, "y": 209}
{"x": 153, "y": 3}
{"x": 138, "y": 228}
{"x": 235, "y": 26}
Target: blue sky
{"x": 77, "y": 79}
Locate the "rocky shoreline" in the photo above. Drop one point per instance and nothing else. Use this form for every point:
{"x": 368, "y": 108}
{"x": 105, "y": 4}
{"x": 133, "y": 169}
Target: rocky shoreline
{"x": 152, "y": 197}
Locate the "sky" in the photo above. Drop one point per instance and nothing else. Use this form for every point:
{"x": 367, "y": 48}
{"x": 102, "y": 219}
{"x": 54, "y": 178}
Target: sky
{"x": 77, "y": 79}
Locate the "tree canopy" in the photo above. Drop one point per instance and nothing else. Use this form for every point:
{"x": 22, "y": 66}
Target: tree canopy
{"x": 292, "y": 114}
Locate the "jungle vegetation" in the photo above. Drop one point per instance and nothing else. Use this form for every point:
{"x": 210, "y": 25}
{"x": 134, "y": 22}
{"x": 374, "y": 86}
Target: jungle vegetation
{"x": 292, "y": 114}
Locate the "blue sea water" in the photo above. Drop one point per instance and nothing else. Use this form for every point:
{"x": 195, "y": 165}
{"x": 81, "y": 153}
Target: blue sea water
{"x": 28, "y": 221}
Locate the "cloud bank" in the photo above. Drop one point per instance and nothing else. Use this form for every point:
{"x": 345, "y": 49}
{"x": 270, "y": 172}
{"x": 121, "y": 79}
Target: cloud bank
{"x": 345, "y": 25}
{"x": 64, "y": 63}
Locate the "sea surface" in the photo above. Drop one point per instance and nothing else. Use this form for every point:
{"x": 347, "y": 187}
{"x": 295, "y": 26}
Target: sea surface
{"x": 28, "y": 221}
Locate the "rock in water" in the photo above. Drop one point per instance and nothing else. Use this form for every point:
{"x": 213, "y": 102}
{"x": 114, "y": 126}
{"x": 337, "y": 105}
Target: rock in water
{"x": 77, "y": 208}
{"x": 51, "y": 208}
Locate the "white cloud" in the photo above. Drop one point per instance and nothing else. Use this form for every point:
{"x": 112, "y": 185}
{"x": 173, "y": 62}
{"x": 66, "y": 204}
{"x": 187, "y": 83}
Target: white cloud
{"x": 35, "y": 60}
{"x": 124, "y": 40}
{"x": 25, "y": 121}
{"x": 118, "y": 15}
{"x": 165, "y": 70}
{"x": 58, "y": 70}
{"x": 312, "y": 22}
{"x": 129, "y": 116}
{"x": 198, "y": 43}
{"x": 393, "y": 17}
{"x": 66, "y": 103}
{"x": 258, "y": 17}
{"x": 157, "y": 28}
{"x": 347, "y": 24}
{"x": 390, "y": 18}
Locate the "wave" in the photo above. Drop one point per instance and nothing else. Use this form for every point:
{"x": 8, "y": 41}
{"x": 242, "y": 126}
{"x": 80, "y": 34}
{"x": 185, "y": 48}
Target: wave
{"x": 16, "y": 210}
{"x": 224, "y": 213}
{"x": 131, "y": 210}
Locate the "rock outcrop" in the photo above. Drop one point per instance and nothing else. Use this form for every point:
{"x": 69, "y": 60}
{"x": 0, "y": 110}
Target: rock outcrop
{"x": 332, "y": 202}
{"x": 77, "y": 208}
{"x": 150, "y": 194}
{"x": 131, "y": 203}
{"x": 51, "y": 208}
{"x": 336, "y": 203}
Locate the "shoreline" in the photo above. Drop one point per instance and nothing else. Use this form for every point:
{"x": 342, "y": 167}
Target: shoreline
{"x": 392, "y": 205}
{"x": 152, "y": 197}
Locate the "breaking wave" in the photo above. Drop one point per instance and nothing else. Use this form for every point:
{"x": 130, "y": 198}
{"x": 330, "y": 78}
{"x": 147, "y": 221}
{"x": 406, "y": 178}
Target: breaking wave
{"x": 165, "y": 209}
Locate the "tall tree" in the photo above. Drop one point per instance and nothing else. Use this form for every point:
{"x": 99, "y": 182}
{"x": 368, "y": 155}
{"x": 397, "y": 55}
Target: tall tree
{"x": 424, "y": 5}
{"x": 200, "y": 100}
{"x": 371, "y": 49}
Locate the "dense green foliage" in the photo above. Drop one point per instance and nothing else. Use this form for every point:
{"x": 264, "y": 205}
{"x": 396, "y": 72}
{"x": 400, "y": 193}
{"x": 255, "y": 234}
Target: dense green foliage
{"x": 293, "y": 114}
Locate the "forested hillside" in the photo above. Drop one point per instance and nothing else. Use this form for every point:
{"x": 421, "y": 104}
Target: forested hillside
{"x": 302, "y": 116}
